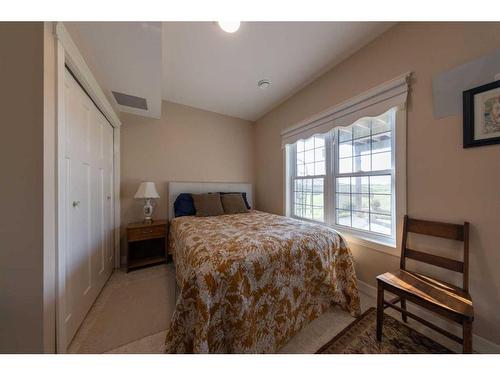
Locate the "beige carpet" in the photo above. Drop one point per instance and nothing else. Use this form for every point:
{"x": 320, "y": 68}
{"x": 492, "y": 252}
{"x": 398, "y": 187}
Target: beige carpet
{"x": 154, "y": 344}
{"x": 133, "y": 311}
{"x": 130, "y": 307}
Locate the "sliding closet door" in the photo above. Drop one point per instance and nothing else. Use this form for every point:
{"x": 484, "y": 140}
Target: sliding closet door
{"x": 89, "y": 204}
{"x": 101, "y": 143}
{"x": 108, "y": 198}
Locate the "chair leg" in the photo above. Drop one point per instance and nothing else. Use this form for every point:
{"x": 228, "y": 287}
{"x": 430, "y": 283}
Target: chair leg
{"x": 403, "y": 314}
{"x": 467, "y": 336}
{"x": 380, "y": 309}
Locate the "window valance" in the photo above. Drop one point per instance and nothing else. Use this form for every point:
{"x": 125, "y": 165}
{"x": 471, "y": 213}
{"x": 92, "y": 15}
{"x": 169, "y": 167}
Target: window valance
{"x": 368, "y": 104}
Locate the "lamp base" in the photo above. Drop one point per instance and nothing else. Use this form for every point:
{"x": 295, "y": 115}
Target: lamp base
{"x": 148, "y": 212}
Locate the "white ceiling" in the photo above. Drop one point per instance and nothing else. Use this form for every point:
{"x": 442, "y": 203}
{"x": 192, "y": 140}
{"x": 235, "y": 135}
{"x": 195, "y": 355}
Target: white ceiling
{"x": 198, "y": 64}
{"x": 128, "y": 57}
{"x": 207, "y": 68}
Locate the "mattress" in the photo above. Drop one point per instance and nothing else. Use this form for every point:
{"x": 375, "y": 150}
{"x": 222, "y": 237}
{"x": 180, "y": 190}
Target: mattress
{"x": 249, "y": 282}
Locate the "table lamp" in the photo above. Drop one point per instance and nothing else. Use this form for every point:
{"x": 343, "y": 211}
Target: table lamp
{"x": 147, "y": 191}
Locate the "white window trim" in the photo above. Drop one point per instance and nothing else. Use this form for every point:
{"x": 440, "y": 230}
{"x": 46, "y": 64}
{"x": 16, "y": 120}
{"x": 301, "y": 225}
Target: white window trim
{"x": 370, "y": 103}
{"x": 388, "y": 240}
{"x": 385, "y": 244}
{"x": 292, "y": 176}
{"x": 389, "y": 245}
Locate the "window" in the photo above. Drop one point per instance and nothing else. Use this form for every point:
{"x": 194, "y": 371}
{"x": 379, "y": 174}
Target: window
{"x": 309, "y": 178}
{"x": 363, "y": 174}
{"x": 346, "y": 178}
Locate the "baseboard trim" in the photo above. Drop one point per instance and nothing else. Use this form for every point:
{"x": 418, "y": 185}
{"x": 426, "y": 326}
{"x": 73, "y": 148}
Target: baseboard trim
{"x": 481, "y": 345}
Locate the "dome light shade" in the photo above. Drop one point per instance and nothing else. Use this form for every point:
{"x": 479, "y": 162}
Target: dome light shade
{"x": 229, "y": 27}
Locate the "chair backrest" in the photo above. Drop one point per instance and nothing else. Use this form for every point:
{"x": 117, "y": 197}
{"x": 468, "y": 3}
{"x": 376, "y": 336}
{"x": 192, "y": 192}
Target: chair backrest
{"x": 436, "y": 229}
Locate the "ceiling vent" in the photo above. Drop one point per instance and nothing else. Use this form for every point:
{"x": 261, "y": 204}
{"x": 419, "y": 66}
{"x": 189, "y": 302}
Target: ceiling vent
{"x": 130, "y": 100}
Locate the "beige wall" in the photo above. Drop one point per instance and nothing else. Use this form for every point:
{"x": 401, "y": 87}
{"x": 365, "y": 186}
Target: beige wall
{"x": 21, "y": 187}
{"x": 445, "y": 181}
{"x": 186, "y": 144}
{"x": 49, "y": 189}
{"x": 27, "y": 189}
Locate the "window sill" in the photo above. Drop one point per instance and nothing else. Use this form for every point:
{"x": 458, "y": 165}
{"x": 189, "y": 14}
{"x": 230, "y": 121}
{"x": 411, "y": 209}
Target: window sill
{"x": 308, "y": 220}
{"x": 386, "y": 246}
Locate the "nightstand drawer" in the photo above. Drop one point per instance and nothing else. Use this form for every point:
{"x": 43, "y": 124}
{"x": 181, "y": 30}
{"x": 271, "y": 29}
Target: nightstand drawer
{"x": 139, "y": 234}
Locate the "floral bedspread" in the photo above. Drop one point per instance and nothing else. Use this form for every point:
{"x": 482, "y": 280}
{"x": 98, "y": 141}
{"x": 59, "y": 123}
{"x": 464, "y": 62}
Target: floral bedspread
{"x": 249, "y": 282}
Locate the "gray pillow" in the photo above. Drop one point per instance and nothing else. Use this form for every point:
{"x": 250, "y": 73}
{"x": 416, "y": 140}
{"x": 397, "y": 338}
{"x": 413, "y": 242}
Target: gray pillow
{"x": 208, "y": 204}
{"x": 233, "y": 203}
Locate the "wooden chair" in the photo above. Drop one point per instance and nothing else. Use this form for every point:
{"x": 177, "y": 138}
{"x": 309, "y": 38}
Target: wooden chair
{"x": 445, "y": 299}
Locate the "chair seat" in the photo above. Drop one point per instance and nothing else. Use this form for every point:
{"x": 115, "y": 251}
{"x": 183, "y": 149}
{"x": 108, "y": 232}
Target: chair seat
{"x": 437, "y": 292}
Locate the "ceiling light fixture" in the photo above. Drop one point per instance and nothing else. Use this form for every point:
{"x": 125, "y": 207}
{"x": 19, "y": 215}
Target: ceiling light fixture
{"x": 229, "y": 27}
{"x": 264, "y": 84}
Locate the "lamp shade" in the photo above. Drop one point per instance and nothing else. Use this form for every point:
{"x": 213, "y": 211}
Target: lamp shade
{"x": 146, "y": 190}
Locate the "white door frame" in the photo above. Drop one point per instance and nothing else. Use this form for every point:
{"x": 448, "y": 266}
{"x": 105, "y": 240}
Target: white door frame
{"x": 67, "y": 54}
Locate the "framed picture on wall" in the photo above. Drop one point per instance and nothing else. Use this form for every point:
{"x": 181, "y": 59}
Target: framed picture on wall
{"x": 482, "y": 115}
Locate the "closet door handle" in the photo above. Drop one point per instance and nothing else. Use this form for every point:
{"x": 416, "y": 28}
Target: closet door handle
{"x": 108, "y": 197}
{"x": 76, "y": 203}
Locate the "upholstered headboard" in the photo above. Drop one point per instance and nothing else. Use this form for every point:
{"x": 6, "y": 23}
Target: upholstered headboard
{"x": 176, "y": 188}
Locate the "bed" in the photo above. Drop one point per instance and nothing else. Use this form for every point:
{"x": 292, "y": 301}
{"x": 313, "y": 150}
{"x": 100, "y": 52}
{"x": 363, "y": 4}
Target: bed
{"x": 249, "y": 282}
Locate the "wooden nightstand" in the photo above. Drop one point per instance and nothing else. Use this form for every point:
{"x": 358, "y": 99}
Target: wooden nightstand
{"x": 146, "y": 244}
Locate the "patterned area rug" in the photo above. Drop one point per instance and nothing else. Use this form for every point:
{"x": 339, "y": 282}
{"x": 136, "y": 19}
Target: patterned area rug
{"x": 359, "y": 337}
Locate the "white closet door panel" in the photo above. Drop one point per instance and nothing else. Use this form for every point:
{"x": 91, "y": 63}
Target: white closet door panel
{"x": 68, "y": 283}
{"x": 109, "y": 227}
{"x": 69, "y": 112}
{"x": 88, "y": 204}
{"x": 108, "y": 154}
{"x": 103, "y": 169}
{"x": 80, "y": 231}
{"x": 108, "y": 150}
{"x": 97, "y": 200}
{"x": 108, "y": 176}
{"x": 78, "y": 265}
